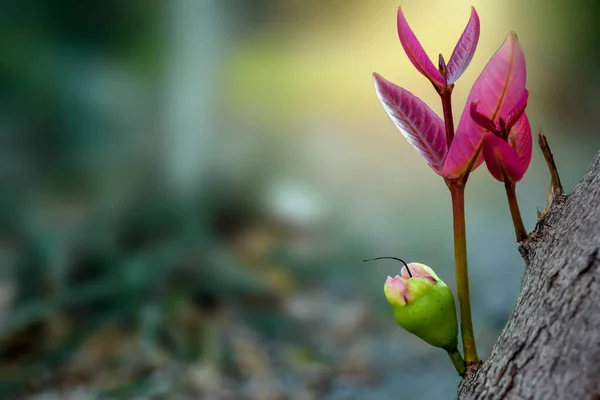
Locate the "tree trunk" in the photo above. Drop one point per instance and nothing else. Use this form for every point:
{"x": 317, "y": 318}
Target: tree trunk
{"x": 550, "y": 347}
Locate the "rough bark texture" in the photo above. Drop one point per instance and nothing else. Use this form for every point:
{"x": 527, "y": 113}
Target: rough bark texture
{"x": 550, "y": 347}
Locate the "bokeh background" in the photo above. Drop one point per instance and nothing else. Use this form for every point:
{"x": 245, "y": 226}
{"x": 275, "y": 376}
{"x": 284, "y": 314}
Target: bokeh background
{"x": 189, "y": 187}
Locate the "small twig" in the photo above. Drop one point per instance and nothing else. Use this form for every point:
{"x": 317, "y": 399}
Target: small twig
{"x": 554, "y": 177}
{"x": 513, "y": 204}
{"x": 555, "y": 185}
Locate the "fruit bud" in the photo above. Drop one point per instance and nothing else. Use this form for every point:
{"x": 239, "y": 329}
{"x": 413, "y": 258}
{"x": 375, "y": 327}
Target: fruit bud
{"x": 423, "y": 305}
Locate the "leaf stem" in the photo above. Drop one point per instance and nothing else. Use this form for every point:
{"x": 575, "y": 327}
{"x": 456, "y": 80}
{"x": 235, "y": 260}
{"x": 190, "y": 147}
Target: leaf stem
{"x": 457, "y": 361}
{"x": 515, "y": 212}
{"x": 446, "y": 95}
{"x": 457, "y": 191}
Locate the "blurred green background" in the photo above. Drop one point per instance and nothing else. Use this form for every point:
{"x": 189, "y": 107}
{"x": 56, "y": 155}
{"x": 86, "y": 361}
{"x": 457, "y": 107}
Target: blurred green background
{"x": 189, "y": 187}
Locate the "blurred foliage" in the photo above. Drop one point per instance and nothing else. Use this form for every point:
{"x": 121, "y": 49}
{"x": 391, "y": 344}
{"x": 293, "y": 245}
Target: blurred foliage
{"x": 156, "y": 267}
{"x": 50, "y": 51}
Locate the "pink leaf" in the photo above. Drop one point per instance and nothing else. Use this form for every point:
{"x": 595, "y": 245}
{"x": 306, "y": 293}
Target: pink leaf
{"x": 501, "y": 84}
{"x": 423, "y": 128}
{"x": 465, "y": 49}
{"x": 481, "y": 119}
{"x": 517, "y": 111}
{"x": 501, "y": 160}
{"x": 520, "y": 140}
{"x": 461, "y": 151}
{"x": 416, "y": 53}
{"x": 499, "y": 88}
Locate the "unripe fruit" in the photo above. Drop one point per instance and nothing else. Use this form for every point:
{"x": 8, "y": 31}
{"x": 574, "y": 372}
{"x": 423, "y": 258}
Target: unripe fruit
{"x": 424, "y": 305}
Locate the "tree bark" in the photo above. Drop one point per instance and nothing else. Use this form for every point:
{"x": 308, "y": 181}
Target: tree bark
{"x": 550, "y": 347}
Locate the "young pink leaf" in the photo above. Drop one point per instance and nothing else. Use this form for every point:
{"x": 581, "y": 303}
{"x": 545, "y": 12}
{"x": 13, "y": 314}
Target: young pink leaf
{"x": 499, "y": 88}
{"x": 459, "y": 155}
{"x": 501, "y": 160}
{"x": 481, "y": 119}
{"x": 423, "y": 128}
{"x": 517, "y": 111}
{"x": 520, "y": 140}
{"x": 465, "y": 49}
{"x": 416, "y": 54}
{"x": 501, "y": 84}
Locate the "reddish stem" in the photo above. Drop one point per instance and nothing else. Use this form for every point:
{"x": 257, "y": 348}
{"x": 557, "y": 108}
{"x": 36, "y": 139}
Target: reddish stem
{"x": 446, "y": 95}
{"x": 457, "y": 191}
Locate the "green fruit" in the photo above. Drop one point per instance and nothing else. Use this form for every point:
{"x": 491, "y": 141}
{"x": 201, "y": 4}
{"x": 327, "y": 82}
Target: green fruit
{"x": 430, "y": 313}
{"x": 424, "y": 305}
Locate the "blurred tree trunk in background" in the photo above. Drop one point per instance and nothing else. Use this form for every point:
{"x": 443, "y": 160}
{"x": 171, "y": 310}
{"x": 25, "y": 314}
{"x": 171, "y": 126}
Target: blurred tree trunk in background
{"x": 195, "y": 37}
{"x": 550, "y": 347}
